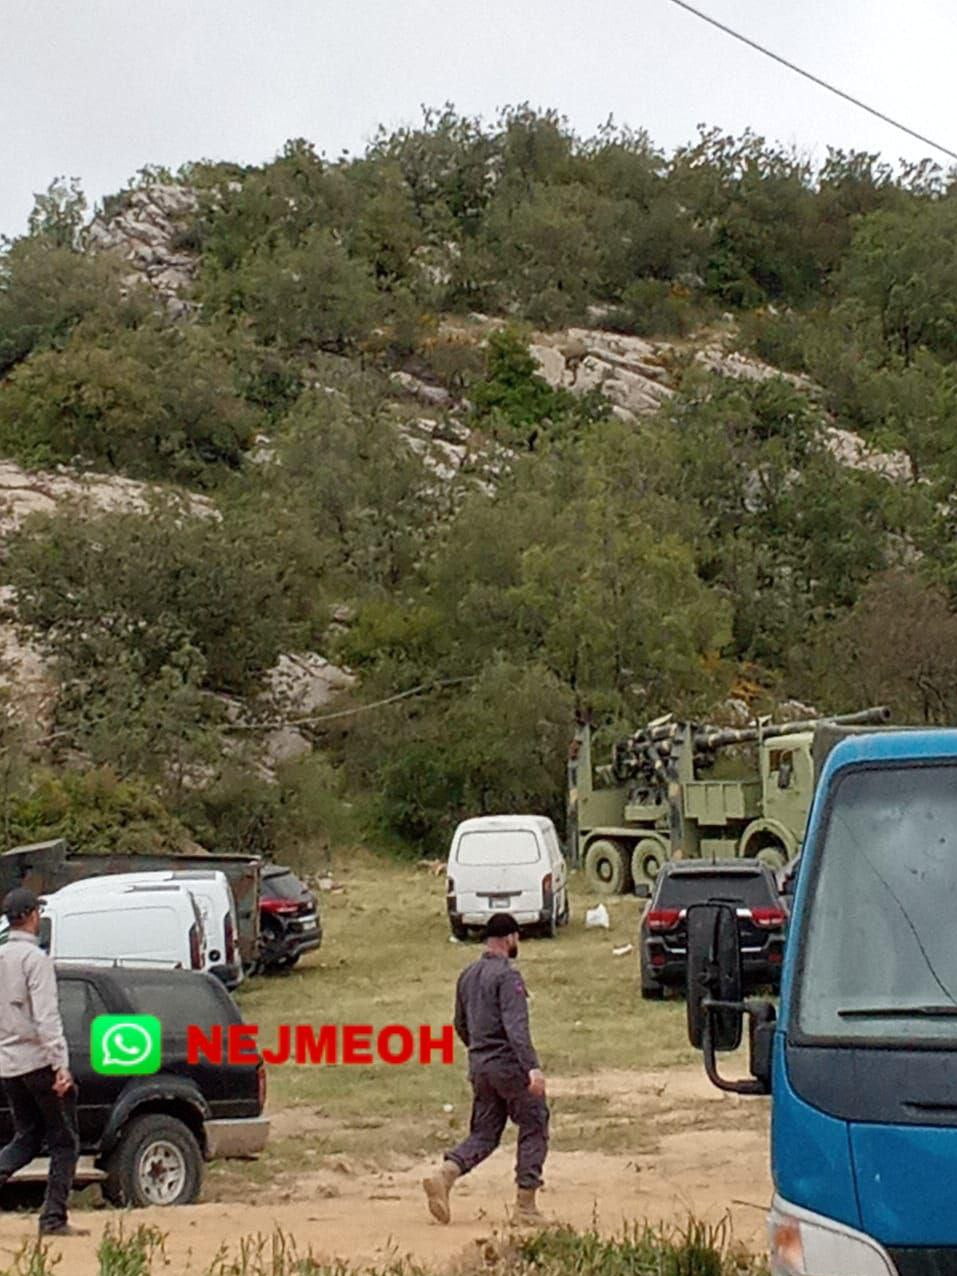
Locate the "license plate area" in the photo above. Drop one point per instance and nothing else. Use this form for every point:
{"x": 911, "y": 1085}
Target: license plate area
{"x": 499, "y": 901}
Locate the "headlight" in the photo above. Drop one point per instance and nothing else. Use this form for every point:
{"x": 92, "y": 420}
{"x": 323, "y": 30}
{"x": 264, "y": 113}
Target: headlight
{"x": 806, "y": 1244}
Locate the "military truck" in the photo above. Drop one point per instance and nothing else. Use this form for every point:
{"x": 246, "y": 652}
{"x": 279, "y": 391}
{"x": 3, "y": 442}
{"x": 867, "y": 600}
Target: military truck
{"x": 660, "y": 799}
{"x": 44, "y": 867}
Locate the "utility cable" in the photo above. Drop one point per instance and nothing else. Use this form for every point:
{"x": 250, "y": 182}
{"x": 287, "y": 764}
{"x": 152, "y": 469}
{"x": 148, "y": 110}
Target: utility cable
{"x": 682, "y": 4}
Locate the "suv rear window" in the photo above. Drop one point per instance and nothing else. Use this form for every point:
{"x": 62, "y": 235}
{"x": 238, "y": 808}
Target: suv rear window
{"x": 282, "y": 886}
{"x": 498, "y": 846}
{"x": 678, "y": 890}
{"x": 178, "y": 1004}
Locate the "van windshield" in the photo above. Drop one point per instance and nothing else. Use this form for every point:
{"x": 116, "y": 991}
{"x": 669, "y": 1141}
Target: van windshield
{"x": 498, "y": 846}
{"x": 880, "y": 958}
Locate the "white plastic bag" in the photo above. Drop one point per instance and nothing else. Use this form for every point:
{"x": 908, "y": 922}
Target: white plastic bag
{"x": 598, "y": 916}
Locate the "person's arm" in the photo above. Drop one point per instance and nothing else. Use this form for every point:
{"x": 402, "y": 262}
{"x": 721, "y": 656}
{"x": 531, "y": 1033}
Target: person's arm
{"x": 461, "y": 1019}
{"x": 513, "y": 1000}
{"x": 41, "y": 981}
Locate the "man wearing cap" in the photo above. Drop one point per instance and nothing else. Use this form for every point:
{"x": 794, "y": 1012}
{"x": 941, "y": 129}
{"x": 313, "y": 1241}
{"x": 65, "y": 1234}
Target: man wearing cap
{"x": 34, "y": 1063}
{"x": 491, "y": 1018}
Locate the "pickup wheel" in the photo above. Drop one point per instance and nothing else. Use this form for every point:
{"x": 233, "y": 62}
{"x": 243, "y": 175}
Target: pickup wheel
{"x": 157, "y": 1162}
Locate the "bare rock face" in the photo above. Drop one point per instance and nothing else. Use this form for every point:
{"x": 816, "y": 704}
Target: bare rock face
{"x": 851, "y": 450}
{"x": 24, "y": 492}
{"x": 144, "y": 231}
{"x": 625, "y": 369}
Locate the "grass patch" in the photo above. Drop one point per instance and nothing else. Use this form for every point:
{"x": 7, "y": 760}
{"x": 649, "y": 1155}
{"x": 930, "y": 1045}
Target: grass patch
{"x": 696, "y": 1250}
{"x": 386, "y": 958}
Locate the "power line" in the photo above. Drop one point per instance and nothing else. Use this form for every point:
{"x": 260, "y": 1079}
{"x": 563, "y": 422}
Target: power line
{"x": 682, "y": 4}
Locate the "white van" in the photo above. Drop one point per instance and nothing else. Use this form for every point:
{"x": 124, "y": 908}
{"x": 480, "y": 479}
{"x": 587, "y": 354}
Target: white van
{"x": 152, "y": 925}
{"x": 510, "y": 864}
{"x": 214, "y": 897}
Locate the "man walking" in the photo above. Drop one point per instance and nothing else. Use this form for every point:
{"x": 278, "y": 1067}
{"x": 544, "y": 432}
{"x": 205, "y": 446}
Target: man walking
{"x": 491, "y": 1018}
{"x": 34, "y": 1063}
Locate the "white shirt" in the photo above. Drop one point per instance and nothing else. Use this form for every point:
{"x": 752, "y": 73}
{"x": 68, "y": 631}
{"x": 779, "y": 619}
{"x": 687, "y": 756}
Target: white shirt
{"x": 31, "y": 1030}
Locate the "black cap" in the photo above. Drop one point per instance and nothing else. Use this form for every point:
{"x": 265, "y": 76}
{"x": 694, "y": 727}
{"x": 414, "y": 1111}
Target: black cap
{"x": 18, "y": 903}
{"x": 499, "y": 925}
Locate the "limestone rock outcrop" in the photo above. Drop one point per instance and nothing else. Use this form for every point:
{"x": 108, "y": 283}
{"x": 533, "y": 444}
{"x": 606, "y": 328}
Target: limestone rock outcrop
{"x": 144, "y": 230}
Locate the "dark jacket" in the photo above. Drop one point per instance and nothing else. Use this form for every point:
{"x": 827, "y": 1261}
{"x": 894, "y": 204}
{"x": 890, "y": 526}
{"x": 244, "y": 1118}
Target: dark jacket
{"x": 491, "y": 1016}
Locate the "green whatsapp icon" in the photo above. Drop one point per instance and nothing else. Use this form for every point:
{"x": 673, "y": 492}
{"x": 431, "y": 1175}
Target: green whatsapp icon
{"x": 126, "y": 1045}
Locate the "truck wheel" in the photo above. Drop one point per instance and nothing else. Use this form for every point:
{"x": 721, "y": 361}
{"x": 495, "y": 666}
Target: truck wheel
{"x": 647, "y": 859}
{"x": 607, "y": 869}
{"x": 157, "y": 1162}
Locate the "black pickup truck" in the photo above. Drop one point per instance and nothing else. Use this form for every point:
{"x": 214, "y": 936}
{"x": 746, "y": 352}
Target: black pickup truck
{"x": 146, "y": 1138}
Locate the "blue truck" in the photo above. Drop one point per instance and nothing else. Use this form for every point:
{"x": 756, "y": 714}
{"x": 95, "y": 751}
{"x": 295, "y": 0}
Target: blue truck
{"x": 860, "y": 1055}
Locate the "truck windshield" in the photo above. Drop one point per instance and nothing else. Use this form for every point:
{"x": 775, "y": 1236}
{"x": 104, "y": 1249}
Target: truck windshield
{"x": 880, "y": 957}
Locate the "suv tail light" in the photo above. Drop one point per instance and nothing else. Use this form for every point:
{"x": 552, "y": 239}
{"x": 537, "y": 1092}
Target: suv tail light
{"x": 195, "y": 951}
{"x": 768, "y": 918}
{"x": 664, "y": 919}
{"x": 230, "y": 940}
{"x": 283, "y": 906}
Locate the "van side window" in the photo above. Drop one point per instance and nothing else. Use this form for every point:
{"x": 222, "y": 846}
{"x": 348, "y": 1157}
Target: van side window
{"x": 80, "y": 1003}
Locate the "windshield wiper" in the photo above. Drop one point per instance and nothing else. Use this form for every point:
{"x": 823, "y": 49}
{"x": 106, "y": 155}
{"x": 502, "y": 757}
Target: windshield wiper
{"x": 899, "y": 1012}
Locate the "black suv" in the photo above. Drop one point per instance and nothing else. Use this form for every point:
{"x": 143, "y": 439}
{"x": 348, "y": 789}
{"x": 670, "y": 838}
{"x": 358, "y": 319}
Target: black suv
{"x": 145, "y": 1138}
{"x": 288, "y": 918}
{"x": 762, "y": 920}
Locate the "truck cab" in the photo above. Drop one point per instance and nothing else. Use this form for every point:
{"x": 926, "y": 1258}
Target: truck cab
{"x": 860, "y": 1057}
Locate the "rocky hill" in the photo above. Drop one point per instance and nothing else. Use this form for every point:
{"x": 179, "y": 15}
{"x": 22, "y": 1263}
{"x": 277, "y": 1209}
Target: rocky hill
{"x": 340, "y": 487}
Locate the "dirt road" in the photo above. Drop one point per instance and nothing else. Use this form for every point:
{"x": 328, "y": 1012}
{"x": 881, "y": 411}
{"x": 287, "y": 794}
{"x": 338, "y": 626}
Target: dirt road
{"x": 701, "y": 1153}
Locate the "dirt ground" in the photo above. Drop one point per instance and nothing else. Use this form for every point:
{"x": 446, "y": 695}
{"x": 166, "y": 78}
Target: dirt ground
{"x": 701, "y": 1153}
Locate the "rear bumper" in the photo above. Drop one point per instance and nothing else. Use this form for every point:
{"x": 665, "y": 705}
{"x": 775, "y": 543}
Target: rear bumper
{"x": 755, "y": 969}
{"x": 478, "y": 917}
{"x": 238, "y": 1137}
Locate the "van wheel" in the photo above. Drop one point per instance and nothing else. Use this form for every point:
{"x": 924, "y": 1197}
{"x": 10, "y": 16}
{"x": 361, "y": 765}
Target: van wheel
{"x": 549, "y": 928}
{"x": 157, "y": 1162}
{"x": 460, "y": 932}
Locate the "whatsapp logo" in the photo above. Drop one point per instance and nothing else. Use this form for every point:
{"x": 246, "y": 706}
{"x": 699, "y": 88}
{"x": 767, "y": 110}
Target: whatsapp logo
{"x": 126, "y": 1045}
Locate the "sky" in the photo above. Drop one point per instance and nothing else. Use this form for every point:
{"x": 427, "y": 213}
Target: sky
{"x": 96, "y": 89}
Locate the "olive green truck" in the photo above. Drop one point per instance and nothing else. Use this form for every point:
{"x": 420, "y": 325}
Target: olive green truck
{"x": 659, "y": 798}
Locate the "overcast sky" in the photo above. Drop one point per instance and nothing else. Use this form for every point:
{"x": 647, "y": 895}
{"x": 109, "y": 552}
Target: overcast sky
{"x": 97, "y": 88}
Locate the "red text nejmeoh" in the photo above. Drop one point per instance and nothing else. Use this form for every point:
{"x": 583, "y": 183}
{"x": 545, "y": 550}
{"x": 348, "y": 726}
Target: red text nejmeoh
{"x": 328, "y": 1044}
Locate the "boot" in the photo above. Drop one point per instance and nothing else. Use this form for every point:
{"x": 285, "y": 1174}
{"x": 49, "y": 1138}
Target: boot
{"x": 526, "y": 1211}
{"x": 437, "y": 1188}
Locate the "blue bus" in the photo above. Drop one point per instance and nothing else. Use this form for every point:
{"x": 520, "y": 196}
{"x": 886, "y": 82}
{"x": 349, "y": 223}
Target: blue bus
{"x": 860, "y": 1056}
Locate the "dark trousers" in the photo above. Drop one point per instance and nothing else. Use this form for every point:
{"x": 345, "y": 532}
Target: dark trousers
{"x": 38, "y": 1115}
{"x": 496, "y": 1098}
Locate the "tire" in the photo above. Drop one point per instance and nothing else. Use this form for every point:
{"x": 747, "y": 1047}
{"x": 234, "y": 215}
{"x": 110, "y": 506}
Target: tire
{"x": 460, "y": 932}
{"x": 607, "y": 867}
{"x": 156, "y": 1162}
{"x": 271, "y": 954}
{"x": 549, "y": 929}
{"x": 651, "y": 990}
{"x": 647, "y": 858}
{"x": 564, "y": 917}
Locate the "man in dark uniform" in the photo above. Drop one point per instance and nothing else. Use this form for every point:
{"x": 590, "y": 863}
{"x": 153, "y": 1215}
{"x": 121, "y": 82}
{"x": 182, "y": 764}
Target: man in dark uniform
{"x": 491, "y": 1018}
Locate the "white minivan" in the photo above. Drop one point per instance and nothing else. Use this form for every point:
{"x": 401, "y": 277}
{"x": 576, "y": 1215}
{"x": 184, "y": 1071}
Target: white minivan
{"x": 217, "y": 905}
{"x": 151, "y": 925}
{"x": 510, "y": 864}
